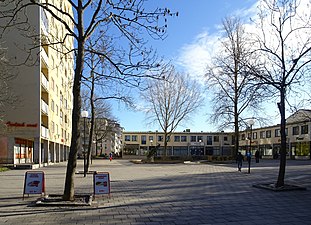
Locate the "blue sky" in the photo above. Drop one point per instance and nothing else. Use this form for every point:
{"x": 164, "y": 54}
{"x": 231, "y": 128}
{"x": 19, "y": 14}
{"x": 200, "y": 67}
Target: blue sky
{"x": 184, "y": 45}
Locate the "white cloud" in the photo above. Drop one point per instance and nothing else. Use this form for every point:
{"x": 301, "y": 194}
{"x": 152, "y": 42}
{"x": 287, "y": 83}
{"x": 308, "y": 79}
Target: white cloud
{"x": 194, "y": 57}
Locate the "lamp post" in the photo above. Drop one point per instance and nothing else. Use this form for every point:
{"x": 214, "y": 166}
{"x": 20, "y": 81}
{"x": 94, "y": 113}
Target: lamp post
{"x": 84, "y": 115}
{"x": 249, "y": 154}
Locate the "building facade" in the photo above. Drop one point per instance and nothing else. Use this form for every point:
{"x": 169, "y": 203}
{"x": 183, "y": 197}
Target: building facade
{"x": 180, "y": 144}
{"x": 266, "y": 140}
{"x": 38, "y": 127}
{"x": 107, "y": 137}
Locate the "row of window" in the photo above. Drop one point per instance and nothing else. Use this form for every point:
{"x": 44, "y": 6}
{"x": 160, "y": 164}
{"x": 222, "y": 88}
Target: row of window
{"x": 267, "y": 134}
{"x": 177, "y": 138}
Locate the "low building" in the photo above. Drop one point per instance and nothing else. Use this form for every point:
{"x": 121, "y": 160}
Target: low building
{"x": 180, "y": 144}
{"x": 267, "y": 140}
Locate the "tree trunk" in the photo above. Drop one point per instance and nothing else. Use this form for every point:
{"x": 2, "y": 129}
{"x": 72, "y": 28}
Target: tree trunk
{"x": 76, "y": 111}
{"x": 281, "y": 106}
{"x": 89, "y": 155}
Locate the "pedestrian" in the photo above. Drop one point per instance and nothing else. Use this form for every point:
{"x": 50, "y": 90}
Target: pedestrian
{"x": 257, "y": 156}
{"x": 110, "y": 156}
{"x": 239, "y": 160}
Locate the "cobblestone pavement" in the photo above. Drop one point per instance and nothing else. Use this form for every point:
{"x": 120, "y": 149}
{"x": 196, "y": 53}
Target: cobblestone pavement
{"x": 166, "y": 194}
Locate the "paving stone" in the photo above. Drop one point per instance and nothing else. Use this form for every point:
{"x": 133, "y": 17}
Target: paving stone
{"x": 165, "y": 194}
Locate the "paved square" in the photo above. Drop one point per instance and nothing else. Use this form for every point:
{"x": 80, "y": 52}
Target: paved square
{"x": 166, "y": 194}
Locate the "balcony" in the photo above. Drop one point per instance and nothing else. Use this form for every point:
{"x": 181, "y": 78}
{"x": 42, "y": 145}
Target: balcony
{"x": 44, "y": 23}
{"x": 44, "y": 132}
{"x": 44, "y": 82}
{"x": 44, "y": 107}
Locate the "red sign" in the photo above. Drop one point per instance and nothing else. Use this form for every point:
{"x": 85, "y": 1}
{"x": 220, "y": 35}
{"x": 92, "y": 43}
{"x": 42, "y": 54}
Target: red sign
{"x": 11, "y": 124}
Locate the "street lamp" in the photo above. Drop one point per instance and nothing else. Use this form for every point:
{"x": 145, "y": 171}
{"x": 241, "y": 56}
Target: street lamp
{"x": 249, "y": 154}
{"x": 84, "y": 115}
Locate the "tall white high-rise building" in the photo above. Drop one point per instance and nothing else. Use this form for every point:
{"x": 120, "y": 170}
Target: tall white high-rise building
{"x": 38, "y": 125}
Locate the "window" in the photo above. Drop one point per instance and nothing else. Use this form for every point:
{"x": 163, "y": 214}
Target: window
{"x": 160, "y": 138}
{"x": 193, "y": 138}
{"x": 262, "y": 134}
{"x": 150, "y": 138}
{"x": 200, "y": 138}
{"x": 61, "y": 117}
{"x": 176, "y": 138}
{"x": 304, "y": 129}
{"x": 243, "y": 137}
{"x": 277, "y": 133}
{"x": 52, "y": 84}
{"x": 296, "y": 130}
{"x": 56, "y": 109}
{"x": 143, "y": 139}
{"x": 268, "y": 134}
{"x": 216, "y": 138}
{"x": 52, "y": 105}
{"x": 225, "y": 138}
{"x": 183, "y": 138}
{"x": 134, "y": 137}
{"x": 53, "y": 127}
{"x": 255, "y": 135}
{"x": 209, "y": 140}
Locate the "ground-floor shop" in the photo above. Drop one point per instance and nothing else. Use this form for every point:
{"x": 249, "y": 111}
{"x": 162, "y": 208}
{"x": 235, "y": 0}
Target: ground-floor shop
{"x": 137, "y": 151}
{"x": 18, "y": 150}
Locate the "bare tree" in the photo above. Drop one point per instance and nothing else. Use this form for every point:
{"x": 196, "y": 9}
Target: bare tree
{"x": 127, "y": 20}
{"x": 236, "y": 92}
{"x": 171, "y": 101}
{"x": 7, "y": 98}
{"x": 285, "y": 44}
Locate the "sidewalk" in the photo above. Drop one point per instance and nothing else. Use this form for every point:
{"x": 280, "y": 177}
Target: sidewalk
{"x": 166, "y": 194}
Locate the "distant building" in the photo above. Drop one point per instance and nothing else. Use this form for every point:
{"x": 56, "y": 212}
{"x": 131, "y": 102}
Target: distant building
{"x": 181, "y": 144}
{"x": 268, "y": 139}
{"x": 38, "y": 128}
{"x": 107, "y": 137}
{"x": 202, "y": 144}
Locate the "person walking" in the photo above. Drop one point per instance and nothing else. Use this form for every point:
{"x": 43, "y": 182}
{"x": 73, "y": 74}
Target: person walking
{"x": 257, "y": 156}
{"x": 110, "y": 156}
{"x": 239, "y": 160}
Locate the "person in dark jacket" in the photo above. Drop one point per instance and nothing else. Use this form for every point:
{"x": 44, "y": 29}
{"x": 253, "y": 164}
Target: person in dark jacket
{"x": 239, "y": 160}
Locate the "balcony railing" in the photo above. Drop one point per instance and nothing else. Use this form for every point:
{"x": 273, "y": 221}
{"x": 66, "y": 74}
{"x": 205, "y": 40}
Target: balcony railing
{"x": 44, "y": 132}
{"x": 44, "y": 82}
{"x": 44, "y": 107}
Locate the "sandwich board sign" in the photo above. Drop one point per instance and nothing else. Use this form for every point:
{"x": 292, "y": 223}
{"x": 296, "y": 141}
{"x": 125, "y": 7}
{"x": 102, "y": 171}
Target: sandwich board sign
{"x": 101, "y": 182}
{"x": 34, "y": 183}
